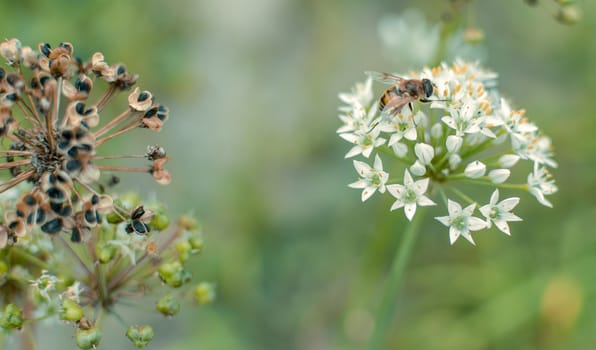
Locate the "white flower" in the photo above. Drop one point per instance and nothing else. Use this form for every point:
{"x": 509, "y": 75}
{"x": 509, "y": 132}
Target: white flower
{"x": 364, "y": 142}
{"x": 410, "y": 194}
{"x": 464, "y": 120}
{"x": 401, "y": 125}
{"x": 498, "y": 176}
{"x": 45, "y": 284}
{"x": 514, "y": 122}
{"x": 461, "y": 222}
{"x": 362, "y": 94}
{"x": 475, "y": 169}
{"x": 373, "y": 178}
{"x": 355, "y": 118}
{"x": 540, "y": 184}
{"x": 500, "y": 213}
{"x": 537, "y": 149}
{"x": 424, "y": 152}
{"x": 73, "y": 292}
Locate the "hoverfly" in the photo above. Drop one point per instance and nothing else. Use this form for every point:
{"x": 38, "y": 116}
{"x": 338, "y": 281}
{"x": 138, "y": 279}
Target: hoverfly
{"x": 401, "y": 92}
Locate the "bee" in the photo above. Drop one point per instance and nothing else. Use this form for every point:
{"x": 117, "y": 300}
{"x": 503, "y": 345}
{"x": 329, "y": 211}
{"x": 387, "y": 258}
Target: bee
{"x": 402, "y": 92}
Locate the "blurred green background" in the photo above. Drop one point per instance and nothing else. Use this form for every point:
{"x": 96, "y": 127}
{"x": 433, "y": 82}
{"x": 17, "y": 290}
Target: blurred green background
{"x": 299, "y": 262}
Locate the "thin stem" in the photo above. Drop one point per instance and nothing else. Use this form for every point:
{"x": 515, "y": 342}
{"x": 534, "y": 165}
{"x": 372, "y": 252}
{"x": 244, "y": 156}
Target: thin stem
{"x": 117, "y": 133}
{"x": 30, "y": 258}
{"x": 462, "y": 195}
{"x": 109, "y": 125}
{"x": 121, "y": 168}
{"x": 387, "y": 307}
{"x": 72, "y": 252}
{"x": 119, "y": 157}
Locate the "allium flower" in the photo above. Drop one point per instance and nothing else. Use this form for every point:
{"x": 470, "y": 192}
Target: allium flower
{"x": 52, "y": 138}
{"x": 372, "y": 178}
{"x": 53, "y": 124}
{"x": 499, "y": 213}
{"x": 461, "y": 222}
{"x": 467, "y": 135}
{"x": 410, "y": 194}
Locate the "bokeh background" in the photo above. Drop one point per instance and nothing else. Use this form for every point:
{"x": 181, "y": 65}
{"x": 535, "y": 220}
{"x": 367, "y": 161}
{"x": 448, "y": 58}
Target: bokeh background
{"x": 299, "y": 262}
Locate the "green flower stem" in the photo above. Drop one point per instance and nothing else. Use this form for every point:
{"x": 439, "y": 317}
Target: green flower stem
{"x": 30, "y": 258}
{"x": 523, "y": 187}
{"x": 462, "y": 195}
{"x": 387, "y": 307}
{"x": 387, "y": 150}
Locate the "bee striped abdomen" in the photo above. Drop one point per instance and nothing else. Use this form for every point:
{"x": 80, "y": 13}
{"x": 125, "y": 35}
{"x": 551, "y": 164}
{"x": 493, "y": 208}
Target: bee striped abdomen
{"x": 387, "y": 96}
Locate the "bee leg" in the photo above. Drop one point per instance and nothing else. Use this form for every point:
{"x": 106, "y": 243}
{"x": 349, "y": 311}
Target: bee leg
{"x": 411, "y": 107}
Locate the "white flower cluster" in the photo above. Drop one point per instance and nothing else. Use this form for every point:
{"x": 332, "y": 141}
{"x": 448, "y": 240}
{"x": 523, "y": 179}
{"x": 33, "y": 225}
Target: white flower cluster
{"x": 466, "y": 135}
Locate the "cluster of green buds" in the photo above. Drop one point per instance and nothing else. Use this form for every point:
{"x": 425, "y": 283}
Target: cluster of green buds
{"x": 80, "y": 283}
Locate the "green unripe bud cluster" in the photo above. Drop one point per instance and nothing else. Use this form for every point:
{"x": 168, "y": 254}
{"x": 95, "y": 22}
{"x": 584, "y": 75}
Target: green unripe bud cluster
{"x": 140, "y": 335}
{"x": 168, "y": 306}
{"x": 88, "y": 338}
{"x": 12, "y": 317}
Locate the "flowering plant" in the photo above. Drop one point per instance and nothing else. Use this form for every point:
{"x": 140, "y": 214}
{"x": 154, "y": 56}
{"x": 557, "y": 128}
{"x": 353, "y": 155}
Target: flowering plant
{"x": 466, "y": 135}
{"x": 118, "y": 248}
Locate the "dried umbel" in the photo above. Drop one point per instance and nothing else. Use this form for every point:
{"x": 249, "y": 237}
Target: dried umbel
{"x": 52, "y": 126}
{"x": 466, "y": 136}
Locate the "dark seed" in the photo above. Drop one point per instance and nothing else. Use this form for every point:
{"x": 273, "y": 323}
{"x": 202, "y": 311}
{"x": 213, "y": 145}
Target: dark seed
{"x": 139, "y": 226}
{"x": 53, "y": 226}
{"x": 75, "y": 235}
{"x": 73, "y": 165}
{"x": 143, "y": 96}
{"x": 90, "y": 216}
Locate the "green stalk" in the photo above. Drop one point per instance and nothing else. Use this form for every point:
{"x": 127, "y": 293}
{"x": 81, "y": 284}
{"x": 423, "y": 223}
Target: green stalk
{"x": 387, "y": 307}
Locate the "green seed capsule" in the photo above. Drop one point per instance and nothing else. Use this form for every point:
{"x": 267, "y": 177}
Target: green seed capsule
{"x": 88, "y": 338}
{"x": 12, "y": 317}
{"x": 204, "y": 293}
{"x": 168, "y": 306}
{"x": 71, "y": 311}
{"x": 140, "y": 335}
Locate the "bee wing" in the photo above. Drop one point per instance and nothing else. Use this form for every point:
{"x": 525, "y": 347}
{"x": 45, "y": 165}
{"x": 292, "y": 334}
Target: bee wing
{"x": 395, "y": 105}
{"x": 386, "y": 78}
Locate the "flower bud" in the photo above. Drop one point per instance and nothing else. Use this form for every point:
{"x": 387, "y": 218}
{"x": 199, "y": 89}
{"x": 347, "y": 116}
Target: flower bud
{"x": 400, "y": 149}
{"x": 160, "y": 222}
{"x": 168, "y": 306}
{"x": 204, "y": 292}
{"x": 424, "y": 152}
{"x": 173, "y": 274}
{"x": 184, "y": 249}
{"x": 498, "y": 176}
{"x": 105, "y": 252}
{"x": 140, "y": 335}
{"x": 88, "y": 338}
{"x": 196, "y": 243}
{"x": 508, "y": 160}
{"x": 475, "y": 169}
{"x": 473, "y": 35}
{"x": 188, "y": 223}
{"x": 436, "y": 131}
{"x": 568, "y": 14}
{"x": 454, "y": 143}
{"x": 71, "y": 311}
{"x": 454, "y": 161}
{"x": 418, "y": 169}
{"x": 12, "y": 317}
